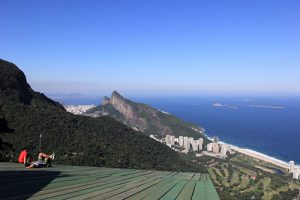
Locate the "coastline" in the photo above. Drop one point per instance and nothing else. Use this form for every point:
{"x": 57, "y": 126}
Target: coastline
{"x": 258, "y": 155}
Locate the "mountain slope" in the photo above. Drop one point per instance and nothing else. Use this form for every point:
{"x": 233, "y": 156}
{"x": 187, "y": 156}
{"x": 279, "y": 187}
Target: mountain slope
{"x": 144, "y": 118}
{"x": 78, "y": 140}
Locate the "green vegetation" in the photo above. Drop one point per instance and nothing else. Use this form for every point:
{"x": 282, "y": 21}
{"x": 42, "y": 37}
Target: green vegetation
{"x": 76, "y": 140}
{"x": 242, "y": 177}
{"x": 289, "y": 194}
{"x": 149, "y": 120}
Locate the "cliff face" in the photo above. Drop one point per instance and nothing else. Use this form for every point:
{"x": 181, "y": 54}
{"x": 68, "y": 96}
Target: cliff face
{"x": 126, "y": 108}
{"x": 144, "y": 118}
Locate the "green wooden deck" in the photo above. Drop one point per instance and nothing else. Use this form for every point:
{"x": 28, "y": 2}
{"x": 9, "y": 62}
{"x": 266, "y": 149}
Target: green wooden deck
{"x": 73, "y": 182}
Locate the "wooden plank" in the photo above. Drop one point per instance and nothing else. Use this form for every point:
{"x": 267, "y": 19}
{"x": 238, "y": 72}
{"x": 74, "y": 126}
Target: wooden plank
{"x": 163, "y": 190}
{"x": 211, "y": 190}
{"x": 72, "y": 192}
{"x": 153, "y": 189}
{"x": 199, "y": 191}
{"x": 44, "y": 193}
{"x": 196, "y": 177}
{"x": 189, "y": 176}
{"x": 203, "y": 177}
{"x": 83, "y": 188}
{"x": 78, "y": 182}
{"x": 135, "y": 190}
{"x": 62, "y": 187}
{"x": 187, "y": 191}
{"x": 175, "y": 191}
{"x": 58, "y": 182}
{"x": 103, "y": 190}
{"x": 19, "y": 178}
{"x": 128, "y": 186}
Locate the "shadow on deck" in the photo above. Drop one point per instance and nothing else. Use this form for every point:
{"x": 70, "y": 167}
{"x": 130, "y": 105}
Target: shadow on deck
{"x": 23, "y": 183}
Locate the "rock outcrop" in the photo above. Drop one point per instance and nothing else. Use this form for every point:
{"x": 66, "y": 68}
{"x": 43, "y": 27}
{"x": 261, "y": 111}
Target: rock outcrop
{"x": 144, "y": 118}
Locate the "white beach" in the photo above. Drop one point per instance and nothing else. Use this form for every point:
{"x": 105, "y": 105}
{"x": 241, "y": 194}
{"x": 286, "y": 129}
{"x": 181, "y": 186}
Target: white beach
{"x": 258, "y": 155}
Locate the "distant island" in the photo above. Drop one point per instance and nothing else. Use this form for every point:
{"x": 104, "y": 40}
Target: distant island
{"x": 266, "y": 106}
{"x": 219, "y": 105}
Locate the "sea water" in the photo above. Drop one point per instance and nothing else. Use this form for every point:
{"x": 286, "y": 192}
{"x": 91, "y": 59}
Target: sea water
{"x": 270, "y": 125}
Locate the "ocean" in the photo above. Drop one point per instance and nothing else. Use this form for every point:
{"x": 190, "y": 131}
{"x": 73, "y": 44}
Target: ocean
{"x": 269, "y": 125}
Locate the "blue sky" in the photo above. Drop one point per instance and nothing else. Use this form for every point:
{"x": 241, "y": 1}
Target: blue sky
{"x": 154, "y": 46}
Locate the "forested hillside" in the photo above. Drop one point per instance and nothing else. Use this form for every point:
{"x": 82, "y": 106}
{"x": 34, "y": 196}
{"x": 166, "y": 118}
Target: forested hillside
{"x": 76, "y": 140}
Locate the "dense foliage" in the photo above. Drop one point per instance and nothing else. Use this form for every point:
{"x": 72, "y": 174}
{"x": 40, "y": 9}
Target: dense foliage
{"x": 76, "y": 140}
{"x": 290, "y": 194}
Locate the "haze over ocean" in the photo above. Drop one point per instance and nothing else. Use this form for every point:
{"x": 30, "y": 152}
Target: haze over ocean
{"x": 275, "y": 132}
{"x": 244, "y": 122}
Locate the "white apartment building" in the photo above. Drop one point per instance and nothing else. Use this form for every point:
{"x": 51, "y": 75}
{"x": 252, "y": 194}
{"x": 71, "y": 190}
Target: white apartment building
{"x": 296, "y": 173}
{"x": 172, "y": 140}
{"x": 224, "y": 150}
{"x": 180, "y": 141}
{"x": 291, "y": 166}
{"x": 209, "y": 147}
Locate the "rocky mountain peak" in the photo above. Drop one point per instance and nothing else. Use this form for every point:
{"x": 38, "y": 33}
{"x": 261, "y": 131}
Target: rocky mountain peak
{"x": 12, "y": 78}
{"x": 105, "y": 100}
{"x": 13, "y": 82}
{"x": 115, "y": 94}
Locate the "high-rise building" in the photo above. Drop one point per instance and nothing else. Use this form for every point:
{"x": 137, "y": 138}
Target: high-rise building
{"x": 209, "y": 147}
{"x": 215, "y": 147}
{"x": 296, "y": 173}
{"x": 180, "y": 141}
{"x": 224, "y": 150}
{"x": 186, "y": 143}
{"x": 291, "y": 166}
{"x": 185, "y": 139}
{"x": 194, "y": 145}
{"x": 172, "y": 140}
{"x": 176, "y": 140}
{"x": 168, "y": 140}
{"x": 228, "y": 147}
{"x": 200, "y": 143}
{"x": 191, "y": 141}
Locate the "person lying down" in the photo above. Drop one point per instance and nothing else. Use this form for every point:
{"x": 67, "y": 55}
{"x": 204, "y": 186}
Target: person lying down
{"x": 44, "y": 160}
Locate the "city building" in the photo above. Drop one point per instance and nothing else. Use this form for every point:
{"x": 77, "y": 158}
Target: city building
{"x": 209, "y": 147}
{"x": 185, "y": 141}
{"x": 224, "y": 150}
{"x": 180, "y": 141}
{"x": 215, "y": 147}
{"x": 172, "y": 140}
{"x": 176, "y": 140}
{"x": 188, "y": 143}
{"x": 291, "y": 166}
{"x": 200, "y": 143}
{"x": 168, "y": 140}
{"x": 296, "y": 173}
{"x": 194, "y": 145}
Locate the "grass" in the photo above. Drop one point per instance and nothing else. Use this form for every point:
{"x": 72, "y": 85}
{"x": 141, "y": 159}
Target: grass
{"x": 235, "y": 178}
{"x": 213, "y": 176}
{"x": 241, "y": 167}
{"x": 224, "y": 169}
